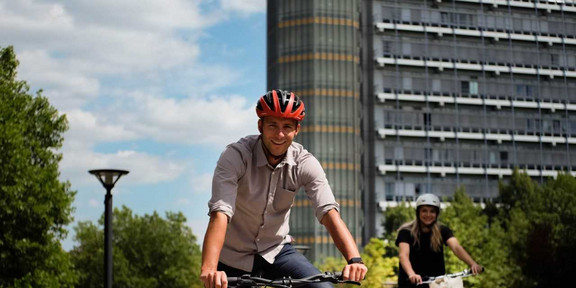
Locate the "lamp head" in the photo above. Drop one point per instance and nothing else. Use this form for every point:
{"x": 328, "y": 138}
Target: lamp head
{"x": 108, "y": 177}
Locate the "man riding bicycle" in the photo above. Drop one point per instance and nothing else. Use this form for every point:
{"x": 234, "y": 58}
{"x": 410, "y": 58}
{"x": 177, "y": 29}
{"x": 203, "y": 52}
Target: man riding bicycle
{"x": 253, "y": 190}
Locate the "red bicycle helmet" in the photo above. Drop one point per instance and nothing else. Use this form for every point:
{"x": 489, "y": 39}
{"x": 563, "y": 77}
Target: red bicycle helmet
{"x": 280, "y": 103}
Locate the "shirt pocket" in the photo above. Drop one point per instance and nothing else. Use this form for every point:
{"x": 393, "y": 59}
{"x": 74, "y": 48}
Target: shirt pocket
{"x": 283, "y": 199}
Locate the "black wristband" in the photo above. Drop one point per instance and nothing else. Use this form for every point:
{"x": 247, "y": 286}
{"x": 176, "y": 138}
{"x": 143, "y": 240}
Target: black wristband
{"x": 355, "y": 260}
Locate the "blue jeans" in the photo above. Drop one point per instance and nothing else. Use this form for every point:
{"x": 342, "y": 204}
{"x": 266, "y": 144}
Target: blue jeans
{"x": 288, "y": 263}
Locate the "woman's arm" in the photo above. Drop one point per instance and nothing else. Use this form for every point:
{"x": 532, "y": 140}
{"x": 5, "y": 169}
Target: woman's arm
{"x": 461, "y": 253}
{"x": 404, "y": 256}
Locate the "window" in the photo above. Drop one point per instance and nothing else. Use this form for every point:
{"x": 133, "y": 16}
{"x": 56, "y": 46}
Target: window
{"x": 427, "y": 119}
{"x": 554, "y": 59}
{"x": 458, "y": 19}
{"x": 525, "y": 90}
{"x": 492, "y": 157}
{"x": 436, "y": 85}
{"x": 469, "y": 87}
{"x": 389, "y": 190}
{"x": 556, "y": 125}
{"x": 386, "y": 47}
{"x": 427, "y": 153}
{"x": 417, "y": 189}
{"x": 572, "y": 127}
{"x": 504, "y": 156}
{"x": 473, "y": 88}
{"x": 407, "y": 83}
{"x": 399, "y": 153}
{"x": 406, "y": 15}
{"x": 406, "y": 48}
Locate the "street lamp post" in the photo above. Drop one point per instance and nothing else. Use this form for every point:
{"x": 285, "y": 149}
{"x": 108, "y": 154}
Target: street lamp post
{"x": 108, "y": 177}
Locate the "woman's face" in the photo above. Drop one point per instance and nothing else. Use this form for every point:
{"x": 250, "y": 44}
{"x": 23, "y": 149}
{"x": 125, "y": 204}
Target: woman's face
{"x": 427, "y": 214}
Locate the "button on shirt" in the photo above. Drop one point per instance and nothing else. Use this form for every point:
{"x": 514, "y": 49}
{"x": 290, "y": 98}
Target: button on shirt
{"x": 257, "y": 198}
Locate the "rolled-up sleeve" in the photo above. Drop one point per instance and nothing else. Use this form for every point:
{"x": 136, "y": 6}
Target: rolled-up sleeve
{"x": 229, "y": 169}
{"x": 317, "y": 187}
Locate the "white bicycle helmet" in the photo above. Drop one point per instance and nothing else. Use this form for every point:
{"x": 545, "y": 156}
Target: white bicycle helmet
{"x": 428, "y": 199}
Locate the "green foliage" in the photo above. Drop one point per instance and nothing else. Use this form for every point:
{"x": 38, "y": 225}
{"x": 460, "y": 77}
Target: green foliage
{"x": 381, "y": 269}
{"x": 471, "y": 228}
{"x": 35, "y": 206}
{"x": 148, "y": 251}
{"x": 331, "y": 264}
{"x": 539, "y": 221}
{"x": 394, "y": 217}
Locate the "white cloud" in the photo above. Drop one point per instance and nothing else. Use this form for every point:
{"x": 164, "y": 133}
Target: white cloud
{"x": 144, "y": 168}
{"x": 85, "y": 131}
{"x": 110, "y": 65}
{"x": 218, "y": 120}
{"x": 77, "y": 44}
{"x": 244, "y": 6}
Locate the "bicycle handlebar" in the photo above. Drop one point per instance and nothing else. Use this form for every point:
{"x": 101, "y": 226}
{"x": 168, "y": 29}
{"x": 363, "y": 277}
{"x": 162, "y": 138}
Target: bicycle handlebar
{"x": 287, "y": 282}
{"x": 464, "y": 273}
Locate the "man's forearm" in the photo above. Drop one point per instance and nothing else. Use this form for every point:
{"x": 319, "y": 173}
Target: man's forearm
{"x": 214, "y": 240}
{"x": 340, "y": 234}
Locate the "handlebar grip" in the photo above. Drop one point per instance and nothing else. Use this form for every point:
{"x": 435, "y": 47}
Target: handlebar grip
{"x": 233, "y": 281}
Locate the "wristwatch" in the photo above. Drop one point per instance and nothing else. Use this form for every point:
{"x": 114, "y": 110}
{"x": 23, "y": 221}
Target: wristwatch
{"x": 355, "y": 260}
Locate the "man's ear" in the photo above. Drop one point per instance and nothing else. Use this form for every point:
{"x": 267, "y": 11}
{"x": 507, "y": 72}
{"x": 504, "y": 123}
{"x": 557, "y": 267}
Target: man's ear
{"x": 260, "y": 125}
{"x": 297, "y": 129}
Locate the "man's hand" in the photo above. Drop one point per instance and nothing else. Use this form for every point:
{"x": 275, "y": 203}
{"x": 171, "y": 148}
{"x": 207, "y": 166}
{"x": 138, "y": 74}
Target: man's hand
{"x": 214, "y": 279}
{"x": 354, "y": 272}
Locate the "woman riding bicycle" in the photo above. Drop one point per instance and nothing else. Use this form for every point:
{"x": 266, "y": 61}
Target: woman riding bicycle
{"x": 421, "y": 241}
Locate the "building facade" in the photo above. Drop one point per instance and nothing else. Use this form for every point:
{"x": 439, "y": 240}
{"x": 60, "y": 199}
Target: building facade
{"x": 442, "y": 95}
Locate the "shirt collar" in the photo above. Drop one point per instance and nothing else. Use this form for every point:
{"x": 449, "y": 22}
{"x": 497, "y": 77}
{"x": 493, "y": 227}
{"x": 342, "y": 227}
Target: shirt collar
{"x": 261, "y": 159}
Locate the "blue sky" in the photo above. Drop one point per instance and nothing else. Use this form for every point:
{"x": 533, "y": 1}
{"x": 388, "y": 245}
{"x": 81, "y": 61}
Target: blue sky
{"x": 155, "y": 87}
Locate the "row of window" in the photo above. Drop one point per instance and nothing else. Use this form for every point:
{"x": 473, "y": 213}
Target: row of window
{"x": 408, "y": 189}
{"x": 506, "y": 86}
{"x": 515, "y": 20}
{"x": 531, "y": 54}
{"x": 477, "y": 121}
{"x": 451, "y": 154}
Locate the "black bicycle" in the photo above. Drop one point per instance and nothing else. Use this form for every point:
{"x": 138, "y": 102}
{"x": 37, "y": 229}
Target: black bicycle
{"x": 288, "y": 282}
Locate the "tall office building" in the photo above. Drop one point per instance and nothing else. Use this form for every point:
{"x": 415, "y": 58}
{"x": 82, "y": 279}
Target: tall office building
{"x": 446, "y": 94}
{"x": 314, "y": 50}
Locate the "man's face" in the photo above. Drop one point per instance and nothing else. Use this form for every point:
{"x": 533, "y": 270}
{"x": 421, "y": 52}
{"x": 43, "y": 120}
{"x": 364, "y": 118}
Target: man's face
{"x": 277, "y": 135}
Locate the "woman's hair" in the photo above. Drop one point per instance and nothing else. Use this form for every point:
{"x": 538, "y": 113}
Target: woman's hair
{"x": 415, "y": 230}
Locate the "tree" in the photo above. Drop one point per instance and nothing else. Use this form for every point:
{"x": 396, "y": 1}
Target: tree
{"x": 540, "y": 222}
{"x": 35, "y": 206}
{"x": 394, "y": 217}
{"x": 381, "y": 269}
{"x": 149, "y": 251}
{"x": 483, "y": 242}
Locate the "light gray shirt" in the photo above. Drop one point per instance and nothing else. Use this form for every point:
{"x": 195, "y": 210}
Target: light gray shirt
{"x": 257, "y": 198}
